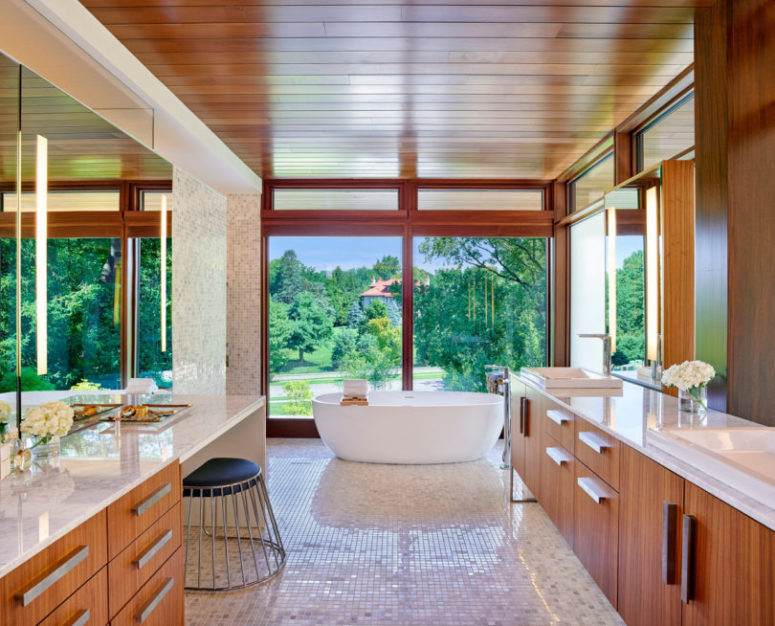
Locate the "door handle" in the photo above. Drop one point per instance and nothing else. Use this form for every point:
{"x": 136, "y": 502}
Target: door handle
{"x": 594, "y": 441}
{"x": 669, "y": 528}
{"x": 558, "y": 417}
{"x": 522, "y": 411}
{"x": 687, "y": 560}
{"x": 591, "y": 487}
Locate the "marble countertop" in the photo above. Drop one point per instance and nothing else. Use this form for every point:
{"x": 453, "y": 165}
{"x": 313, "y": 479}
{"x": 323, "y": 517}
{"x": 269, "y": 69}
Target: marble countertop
{"x": 637, "y": 415}
{"x": 99, "y": 464}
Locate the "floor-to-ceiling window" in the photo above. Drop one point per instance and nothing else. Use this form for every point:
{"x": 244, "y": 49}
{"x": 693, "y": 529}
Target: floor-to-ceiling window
{"x": 334, "y": 312}
{"x": 408, "y": 284}
{"x": 477, "y": 301}
{"x": 92, "y": 332}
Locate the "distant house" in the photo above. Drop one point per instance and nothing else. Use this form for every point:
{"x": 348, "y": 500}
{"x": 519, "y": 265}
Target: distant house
{"x": 379, "y": 290}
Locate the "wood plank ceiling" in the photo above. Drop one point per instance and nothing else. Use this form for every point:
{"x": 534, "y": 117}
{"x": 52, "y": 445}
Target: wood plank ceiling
{"x": 420, "y": 88}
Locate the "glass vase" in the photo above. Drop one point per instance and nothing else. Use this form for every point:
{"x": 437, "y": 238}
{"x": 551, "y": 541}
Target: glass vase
{"x": 694, "y": 400}
{"x": 45, "y": 448}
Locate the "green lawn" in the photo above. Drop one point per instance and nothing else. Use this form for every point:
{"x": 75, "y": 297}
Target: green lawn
{"x": 314, "y": 362}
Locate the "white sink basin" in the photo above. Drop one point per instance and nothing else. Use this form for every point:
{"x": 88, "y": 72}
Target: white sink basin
{"x": 743, "y": 458}
{"x": 571, "y": 378}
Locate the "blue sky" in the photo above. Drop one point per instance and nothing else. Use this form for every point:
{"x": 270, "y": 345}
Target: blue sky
{"x": 325, "y": 253}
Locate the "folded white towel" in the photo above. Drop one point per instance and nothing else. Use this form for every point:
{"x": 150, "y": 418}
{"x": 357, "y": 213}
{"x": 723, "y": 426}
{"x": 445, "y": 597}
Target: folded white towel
{"x": 141, "y": 385}
{"x": 355, "y": 388}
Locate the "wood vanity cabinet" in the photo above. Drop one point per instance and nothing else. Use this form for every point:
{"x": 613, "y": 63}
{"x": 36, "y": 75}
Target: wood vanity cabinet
{"x": 661, "y": 549}
{"x": 729, "y": 575}
{"x": 123, "y": 563}
{"x": 650, "y": 509}
{"x": 45, "y": 580}
{"x": 557, "y": 485}
{"x": 526, "y": 406}
{"x": 596, "y": 528}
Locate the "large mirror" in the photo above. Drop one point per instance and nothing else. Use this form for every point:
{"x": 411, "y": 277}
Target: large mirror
{"x": 631, "y": 274}
{"x": 95, "y": 231}
{"x": 633, "y": 315}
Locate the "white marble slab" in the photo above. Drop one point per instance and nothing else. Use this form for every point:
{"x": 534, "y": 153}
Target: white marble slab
{"x": 638, "y": 413}
{"x": 98, "y": 465}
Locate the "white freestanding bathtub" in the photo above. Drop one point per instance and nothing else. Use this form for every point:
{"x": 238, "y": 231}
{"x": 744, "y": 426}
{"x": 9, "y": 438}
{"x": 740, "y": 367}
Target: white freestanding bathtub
{"x": 411, "y": 426}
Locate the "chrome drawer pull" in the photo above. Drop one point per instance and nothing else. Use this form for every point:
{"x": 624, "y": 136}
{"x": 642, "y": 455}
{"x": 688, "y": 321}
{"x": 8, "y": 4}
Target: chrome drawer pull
{"x": 151, "y": 605}
{"x": 81, "y": 619}
{"x": 590, "y": 487}
{"x": 146, "y": 556}
{"x": 558, "y": 455}
{"x": 62, "y": 567}
{"x": 594, "y": 441}
{"x": 558, "y": 417}
{"x": 152, "y": 499}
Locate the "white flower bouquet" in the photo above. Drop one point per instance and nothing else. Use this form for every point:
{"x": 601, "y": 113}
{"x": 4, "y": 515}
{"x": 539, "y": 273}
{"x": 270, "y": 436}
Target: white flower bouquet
{"x": 50, "y": 419}
{"x": 691, "y": 377}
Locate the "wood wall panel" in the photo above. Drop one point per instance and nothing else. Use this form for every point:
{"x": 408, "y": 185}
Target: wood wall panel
{"x": 711, "y": 143}
{"x": 735, "y": 288}
{"x": 751, "y": 209}
{"x": 678, "y": 256}
{"x": 427, "y": 89}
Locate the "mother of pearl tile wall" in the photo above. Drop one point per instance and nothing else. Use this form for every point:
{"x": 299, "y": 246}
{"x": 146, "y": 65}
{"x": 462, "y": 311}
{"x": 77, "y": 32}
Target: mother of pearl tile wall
{"x": 198, "y": 287}
{"x": 243, "y": 270}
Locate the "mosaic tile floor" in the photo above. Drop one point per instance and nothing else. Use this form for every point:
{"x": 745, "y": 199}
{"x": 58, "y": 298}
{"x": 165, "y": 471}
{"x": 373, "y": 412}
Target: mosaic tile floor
{"x": 408, "y": 545}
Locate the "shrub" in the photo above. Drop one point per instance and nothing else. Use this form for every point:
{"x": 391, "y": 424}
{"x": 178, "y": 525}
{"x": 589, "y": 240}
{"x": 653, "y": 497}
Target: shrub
{"x": 298, "y": 396}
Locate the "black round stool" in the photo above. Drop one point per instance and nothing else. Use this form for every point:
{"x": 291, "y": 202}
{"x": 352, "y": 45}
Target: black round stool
{"x": 241, "y": 533}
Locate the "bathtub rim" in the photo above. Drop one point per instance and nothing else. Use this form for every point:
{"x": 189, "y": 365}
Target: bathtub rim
{"x": 334, "y": 399}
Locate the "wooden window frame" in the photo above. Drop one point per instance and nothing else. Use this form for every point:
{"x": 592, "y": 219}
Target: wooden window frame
{"x": 637, "y": 134}
{"x": 129, "y": 223}
{"x": 406, "y": 222}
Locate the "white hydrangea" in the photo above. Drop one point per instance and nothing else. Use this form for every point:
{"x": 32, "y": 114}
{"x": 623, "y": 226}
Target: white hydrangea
{"x": 688, "y": 375}
{"x": 5, "y": 411}
{"x": 50, "y": 418}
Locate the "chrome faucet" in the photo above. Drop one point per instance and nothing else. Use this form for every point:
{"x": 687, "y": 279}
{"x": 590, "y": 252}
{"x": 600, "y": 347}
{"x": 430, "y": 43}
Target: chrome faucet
{"x": 606, "y": 349}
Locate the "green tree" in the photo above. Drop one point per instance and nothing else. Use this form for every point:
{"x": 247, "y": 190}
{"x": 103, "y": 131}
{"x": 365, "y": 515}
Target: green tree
{"x": 376, "y": 310}
{"x": 630, "y": 326}
{"x": 387, "y": 267}
{"x": 288, "y": 280}
{"x": 280, "y": 328}
{"x": 456, "y": 327}
{"x": 345, "y": 343}
{"x": 310, "y": 324}
{"x": 355, "y": 315}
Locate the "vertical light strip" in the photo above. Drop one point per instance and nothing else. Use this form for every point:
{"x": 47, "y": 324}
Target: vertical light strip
{"x": 41, "y": 256}
{"x": 652, "y": 269}
{"x": 163, "y": 271}
{"x": 612, "y": 276}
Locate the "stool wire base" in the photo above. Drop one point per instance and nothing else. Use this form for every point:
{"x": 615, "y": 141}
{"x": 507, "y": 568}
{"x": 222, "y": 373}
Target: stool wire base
{"x": 254, "y": 525}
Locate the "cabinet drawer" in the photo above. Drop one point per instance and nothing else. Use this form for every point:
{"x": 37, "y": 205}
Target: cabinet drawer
{"x": 597, "y": 450}
{"x": 137, "y": 563}
{"x": 557, "y": 485}
{"x": 136, "y": 511}
{"x": 39, "y": 585}
{"x": 596, "y": 528}
{"x": 86, "y": 607}
{"x": 160, "y": 600}
{"x": 558, "y": 423}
